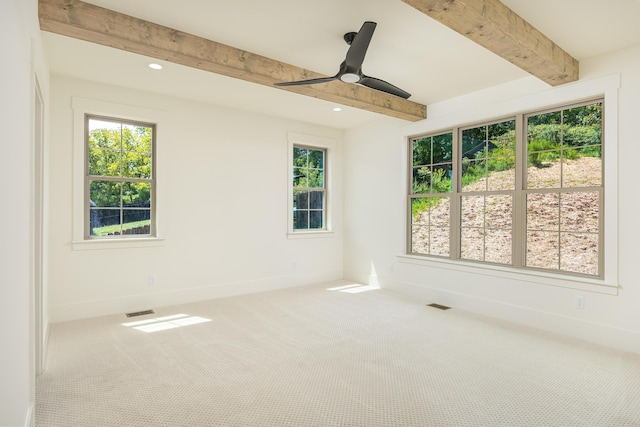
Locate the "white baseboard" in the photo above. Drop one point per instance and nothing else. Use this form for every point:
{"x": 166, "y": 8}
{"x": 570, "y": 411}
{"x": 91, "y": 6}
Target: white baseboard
{"x": 597, "y": 333}
{"x": 128, "y": 303}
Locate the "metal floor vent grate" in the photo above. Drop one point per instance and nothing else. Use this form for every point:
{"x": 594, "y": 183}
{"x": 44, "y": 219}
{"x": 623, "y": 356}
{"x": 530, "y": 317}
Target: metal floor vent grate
{"x": 438, "y": 306}
{"x": 139, "y": 313}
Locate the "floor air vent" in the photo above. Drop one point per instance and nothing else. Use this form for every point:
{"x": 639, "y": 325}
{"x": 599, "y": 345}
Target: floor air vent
{"x": 438, "y": 306}
{"x": 139, "y": 313}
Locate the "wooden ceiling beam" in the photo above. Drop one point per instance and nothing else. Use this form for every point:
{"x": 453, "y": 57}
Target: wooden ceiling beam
{"x": 494, "y": 26}
{"x": 74, "y": 18}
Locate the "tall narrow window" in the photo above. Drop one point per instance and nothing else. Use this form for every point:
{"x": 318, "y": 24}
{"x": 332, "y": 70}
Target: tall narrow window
{"x": 488, "y": 160}
{"x": 119, "y": 180}
{"x": 309, "y": 188}
{"x": 431, "y": 178}
{"x": 564, "y": 190}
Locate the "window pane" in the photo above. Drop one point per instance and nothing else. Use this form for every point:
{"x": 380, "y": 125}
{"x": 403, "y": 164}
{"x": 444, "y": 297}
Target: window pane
{"x": 439, "y": 241}
{"x": 316, "y": 200}
{"x": 136, "y": 194}
{"x": 543, "y": 212}
{"x": 579, "y": 253}
{"x": 440, "y": 212}
{"x": 300, "y": 200}
{"x": 582, "y": 168}
{"x": 497, "y": 248}
{"x": 420, "y": 239}
{"x": 104, "y": 222}
{"x": 474, "y": 143}
{"x": 502, "y": 174}
{"x": 316, "y": 159}
{"x": 441, "y": 178}
{"x": 545, "y": 126}
{"x": 499, "y": 211}
{"x": 472, "y": 244}
{"x": 544, "y": 170}
{"x": 315, "y": 178}
{"x": 300, "y": 156}
{"x": 136, "y": 138}
{"x": 542, "y": 249}
{"x": 422, "y": 151}
{"x": 432, "y": 180}
{"x": 299, "y": 177}
{"x": 136, "y": 165}
{"x": 300, "y": 220}
{"x": 472, "y": 211}
{"x": 136, "y": 221}
{"x": 316, "y": 220}
{"x": 583, "y": 125}
{"x": 474, "y": 175}
{"x": 421, "y": 181}
{"x": 104, "y": 134}
{"x": 103, "y": 194}
{"x": 430, "y": 225}
{"x": 501, "y": 139}
{"x": 580, "y": 212}
{"x": 104, "y": 162}
{"x": 442, "y": 148}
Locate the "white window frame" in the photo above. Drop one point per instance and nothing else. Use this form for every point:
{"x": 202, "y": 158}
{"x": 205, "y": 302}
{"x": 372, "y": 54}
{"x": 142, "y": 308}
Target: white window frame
{"x": 329, "y": 146}
{"x": 604, "y": 87}
{"x": 82, "y": 107}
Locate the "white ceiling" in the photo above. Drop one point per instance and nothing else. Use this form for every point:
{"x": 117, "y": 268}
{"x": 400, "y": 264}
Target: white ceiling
{"x": 408, "y": 49}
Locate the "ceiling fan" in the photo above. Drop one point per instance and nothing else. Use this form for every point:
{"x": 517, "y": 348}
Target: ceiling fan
{"x": 351, "y": 68}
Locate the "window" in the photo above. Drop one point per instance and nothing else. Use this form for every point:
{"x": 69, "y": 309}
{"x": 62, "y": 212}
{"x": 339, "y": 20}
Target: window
{"x": 525, "y": 192}
{"x": 119, "y": 178}
{"x": 309, "y": 188}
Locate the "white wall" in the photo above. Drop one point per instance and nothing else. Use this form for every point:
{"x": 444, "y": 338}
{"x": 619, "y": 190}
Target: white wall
{"x": 375, "y": 213}
{"x": 221, "y": 203}
{"x": 22, "y": 60}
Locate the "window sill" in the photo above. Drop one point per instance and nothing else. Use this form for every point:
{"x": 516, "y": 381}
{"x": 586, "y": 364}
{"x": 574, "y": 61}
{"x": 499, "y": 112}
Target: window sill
{"x": 538, "y": 277}
{"x": 99, "y": 244}
{"x": 310, "y": 234}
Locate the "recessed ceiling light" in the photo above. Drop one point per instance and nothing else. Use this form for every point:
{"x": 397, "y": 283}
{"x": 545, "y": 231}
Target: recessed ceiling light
{"x": 155, "y": 66}
{"x": 337, "y": 109}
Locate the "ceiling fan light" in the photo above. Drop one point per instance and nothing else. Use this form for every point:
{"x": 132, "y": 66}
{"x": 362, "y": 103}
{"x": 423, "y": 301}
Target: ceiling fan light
{"x": 350, "y": 78}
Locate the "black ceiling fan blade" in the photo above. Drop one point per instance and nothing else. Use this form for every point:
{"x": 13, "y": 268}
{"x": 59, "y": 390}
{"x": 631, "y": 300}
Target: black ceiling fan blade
{"x": 359, "y": 46}
{"x": 307, "y": 82}
{"x": 383, "y": 86}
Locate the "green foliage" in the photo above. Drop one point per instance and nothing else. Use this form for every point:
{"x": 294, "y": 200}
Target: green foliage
{"x": 122, "y": 152}
{"x": 433, "y": 150}
{"x": 108, "y": 229}
{"x": 570, "y": 134}
{"x": 308, "y": 167}
{"x": 422, "y": 204}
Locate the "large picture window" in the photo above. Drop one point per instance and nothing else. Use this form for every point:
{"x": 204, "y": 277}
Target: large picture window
{"x": 525, "y": 192}
{"x": 119, "y": 179}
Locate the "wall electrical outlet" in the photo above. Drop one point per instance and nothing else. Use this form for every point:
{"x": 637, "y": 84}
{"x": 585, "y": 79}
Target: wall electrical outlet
{"x": 580, "y": 302}
{"x": 152, "y": 280}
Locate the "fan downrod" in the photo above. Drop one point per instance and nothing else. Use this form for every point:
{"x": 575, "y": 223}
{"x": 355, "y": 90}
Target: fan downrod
{"x": 348, "y": 37}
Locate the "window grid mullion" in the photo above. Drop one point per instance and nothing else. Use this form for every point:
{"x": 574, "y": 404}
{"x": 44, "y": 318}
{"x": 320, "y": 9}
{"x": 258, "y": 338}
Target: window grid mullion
{"x": 455, "y": 202}
{"x": 519, "y": 203}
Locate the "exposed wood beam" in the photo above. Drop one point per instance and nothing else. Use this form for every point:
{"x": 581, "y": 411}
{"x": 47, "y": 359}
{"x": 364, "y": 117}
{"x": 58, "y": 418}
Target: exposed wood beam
{"x": 494, "y": 26}
{"x": 95, "y": 24}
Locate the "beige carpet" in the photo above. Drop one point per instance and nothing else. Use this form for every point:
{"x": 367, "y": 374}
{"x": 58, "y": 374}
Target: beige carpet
{"x": 325, "y": 355}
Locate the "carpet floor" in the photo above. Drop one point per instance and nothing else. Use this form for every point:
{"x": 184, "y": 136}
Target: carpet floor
{"x": 328, "y": 355}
